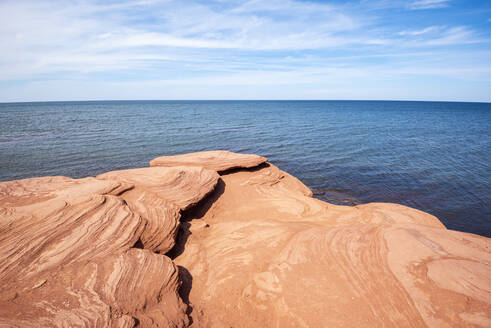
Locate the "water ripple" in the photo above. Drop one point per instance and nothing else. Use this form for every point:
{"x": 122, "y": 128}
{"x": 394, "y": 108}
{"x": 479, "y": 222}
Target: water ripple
{"x": 428, "y": 155}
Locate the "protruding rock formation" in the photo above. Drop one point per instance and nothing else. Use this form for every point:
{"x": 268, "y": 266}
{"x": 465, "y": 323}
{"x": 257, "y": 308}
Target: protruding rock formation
{"x": 259, "y": 251}
{"x": 158, "y": 195}
{"x": 183, "y": 186}
{"x": 67, "y": 254}
{"x": 217, "y": 160}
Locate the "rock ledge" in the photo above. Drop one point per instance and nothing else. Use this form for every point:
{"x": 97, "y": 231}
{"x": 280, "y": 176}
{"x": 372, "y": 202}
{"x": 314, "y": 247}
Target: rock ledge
{"x": 177, "y": 244}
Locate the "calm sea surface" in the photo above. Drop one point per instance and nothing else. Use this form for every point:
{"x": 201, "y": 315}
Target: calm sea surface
{"x": 434, "y": 156}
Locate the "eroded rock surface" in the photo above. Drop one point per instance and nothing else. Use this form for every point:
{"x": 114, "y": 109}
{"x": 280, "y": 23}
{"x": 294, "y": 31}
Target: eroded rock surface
{"x": 158, "y": 195}
{"x": 119, "y": 291}
{"x": 183, "y": 186}
{"x": 266, "y": 254}
{"x": 217, "y": 160}
{"x": 255, "y": 250}
{"x": 67, "y": 255}
{"x": 80, "y": 222}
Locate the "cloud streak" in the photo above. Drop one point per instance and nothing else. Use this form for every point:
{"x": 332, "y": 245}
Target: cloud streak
{"x": 426, "y": 30}
{"x": 218, "y": 43}
{"x": 428, "y": 4}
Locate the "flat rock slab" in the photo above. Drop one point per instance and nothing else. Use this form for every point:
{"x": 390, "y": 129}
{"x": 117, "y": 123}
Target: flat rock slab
{"x": 217, "y": 160}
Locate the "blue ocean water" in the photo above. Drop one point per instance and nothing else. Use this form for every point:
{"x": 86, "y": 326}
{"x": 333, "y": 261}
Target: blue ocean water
{"x": 434, "y": 156}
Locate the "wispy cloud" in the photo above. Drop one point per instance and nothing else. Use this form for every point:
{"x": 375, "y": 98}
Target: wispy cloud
{"x": 428, "y": 4}
{"x": 160, "y": 43}
{"x": 426, "y": 30}
{"x": 39, "y": 37}
{"x": 454, "y": 36}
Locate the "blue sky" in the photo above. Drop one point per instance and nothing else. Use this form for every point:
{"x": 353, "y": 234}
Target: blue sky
{"x": 276, "y": 49}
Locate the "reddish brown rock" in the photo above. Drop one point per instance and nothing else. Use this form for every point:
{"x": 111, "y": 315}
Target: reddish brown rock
{"x": 217, "y": 160}
{"x": 159, "y": 194}
{"x": 267, "y": 255}
{"x": 258, "y": 252}
{"x": 115, "y": 291}
{"x": 61, "y": 226}
{"x": 65, "y": 248}
{"x": 161, "y": 218}
{"x": 183, "y": 186}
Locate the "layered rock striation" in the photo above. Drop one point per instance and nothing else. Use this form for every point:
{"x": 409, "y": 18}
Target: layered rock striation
{"x": 90, "y": 252}
{"x": 218, "y": 239}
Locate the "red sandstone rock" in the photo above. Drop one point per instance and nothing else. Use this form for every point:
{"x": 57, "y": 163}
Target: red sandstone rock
{"x": 270, "y": 256}
{"x": 217, "y": 160}
{"x": 58, "y": 227}
{"x": 66, "y": 256}
{"x": 259, "y": 252}
{"x": 183, "y": 186}
{"x": 155, "y": 192}
{"x": 115, "y": 291}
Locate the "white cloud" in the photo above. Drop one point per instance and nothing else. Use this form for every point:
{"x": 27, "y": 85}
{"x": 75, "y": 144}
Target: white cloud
{"x": 332, "y": 81}
{"x": 43, "y": 37}
{"x": 441, "y": 36}
{"x": 428, "y": 4}
{"x": 137, "y": 46}
{"x": 453, "y": 36}
{"x": 426, "y": 30}
{"x": 174, "y": 23}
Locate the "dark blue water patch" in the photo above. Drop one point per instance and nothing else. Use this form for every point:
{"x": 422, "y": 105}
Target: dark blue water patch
{"x": 434, "y": 156}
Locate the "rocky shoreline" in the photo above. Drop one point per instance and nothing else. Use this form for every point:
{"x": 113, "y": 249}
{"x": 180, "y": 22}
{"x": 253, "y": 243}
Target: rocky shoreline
{"x": 217, "y": 239}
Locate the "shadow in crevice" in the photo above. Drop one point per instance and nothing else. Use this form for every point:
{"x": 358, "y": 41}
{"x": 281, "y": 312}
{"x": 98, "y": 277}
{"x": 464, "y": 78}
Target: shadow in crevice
{"x": 199, "y": 210}
{"x": 139, "y": 244}
{"x": 182, "y": 237}
{"x": 240, "y": 169}
{"x": 185, "y": 289}
{"x": 195, "y": 212}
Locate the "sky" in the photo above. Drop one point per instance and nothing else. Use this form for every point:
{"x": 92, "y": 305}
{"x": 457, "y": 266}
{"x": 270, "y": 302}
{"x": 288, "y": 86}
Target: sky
{"x": 271, "y": 49}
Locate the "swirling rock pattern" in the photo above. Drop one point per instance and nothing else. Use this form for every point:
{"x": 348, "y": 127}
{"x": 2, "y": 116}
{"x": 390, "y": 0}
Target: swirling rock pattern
{"x": 183, "y": 186}
{"x": 217, "y": 160}
{"x": 58, "y": 229}
{"x": 266, "y": 254}
{"x": 115, "y": 291}
{"x": 259, "y": 251}
{"x": 156, "y": 191}
{"x": 67, "y": 255}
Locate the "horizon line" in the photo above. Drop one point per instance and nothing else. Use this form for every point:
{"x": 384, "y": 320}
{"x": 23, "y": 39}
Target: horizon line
{"x": 231, "y": 100}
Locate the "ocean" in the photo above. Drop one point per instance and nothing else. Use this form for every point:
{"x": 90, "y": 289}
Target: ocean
{"x": 433, "y": 156}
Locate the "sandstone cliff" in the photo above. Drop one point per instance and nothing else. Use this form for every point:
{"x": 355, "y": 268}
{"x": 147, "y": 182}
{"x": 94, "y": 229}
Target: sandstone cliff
{"x": 218, "y": 239}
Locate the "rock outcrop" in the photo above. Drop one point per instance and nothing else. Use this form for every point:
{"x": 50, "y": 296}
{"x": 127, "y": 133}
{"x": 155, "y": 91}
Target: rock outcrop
{"x": 254, "y": 249}
{"x": 270, "y": 255}
{"x": 69, "y": 248}
{"x": 217, "y": 160}
{"x": 159, "y": 194}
